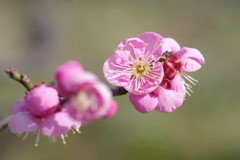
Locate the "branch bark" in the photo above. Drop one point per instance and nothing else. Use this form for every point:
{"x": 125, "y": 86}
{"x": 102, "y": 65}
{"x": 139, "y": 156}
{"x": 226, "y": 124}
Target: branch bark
{"x": 118, "y": 91}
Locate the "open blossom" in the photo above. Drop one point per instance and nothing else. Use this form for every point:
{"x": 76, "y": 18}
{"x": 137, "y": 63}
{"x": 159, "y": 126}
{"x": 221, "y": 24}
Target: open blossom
{"x": 85, "y": 94}
{"x": 171, "y": 92}
{"x": 135, "y": 64}
{"x": 39, "y": 111}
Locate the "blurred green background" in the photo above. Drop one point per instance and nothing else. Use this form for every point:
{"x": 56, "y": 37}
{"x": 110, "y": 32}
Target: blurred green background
{"x": 37, "y": 36}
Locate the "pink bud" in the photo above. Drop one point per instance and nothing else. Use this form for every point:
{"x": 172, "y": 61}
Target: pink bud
{"x": 65, "y": 74}
{"x": 42, "y": 100}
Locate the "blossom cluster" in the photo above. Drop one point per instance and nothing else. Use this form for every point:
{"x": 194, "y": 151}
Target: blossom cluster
{"x": 152, "y": 68}
{"x": 52, "y": 111}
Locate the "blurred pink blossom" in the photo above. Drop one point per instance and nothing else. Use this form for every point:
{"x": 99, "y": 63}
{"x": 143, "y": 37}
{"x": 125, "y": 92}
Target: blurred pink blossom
{"x": 85, "y": 94}
{"x": 39, "y": 111}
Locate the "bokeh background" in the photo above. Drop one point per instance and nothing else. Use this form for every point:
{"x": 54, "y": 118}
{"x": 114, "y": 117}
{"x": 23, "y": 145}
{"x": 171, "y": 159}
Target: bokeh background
{"x": 37, "y": 36}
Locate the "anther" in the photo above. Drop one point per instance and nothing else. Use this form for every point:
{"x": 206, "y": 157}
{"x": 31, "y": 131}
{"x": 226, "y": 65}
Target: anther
{"x": 25, "y": 136}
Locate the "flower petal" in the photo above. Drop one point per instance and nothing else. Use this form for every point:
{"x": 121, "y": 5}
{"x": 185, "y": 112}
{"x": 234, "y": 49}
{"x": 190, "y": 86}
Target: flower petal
{"x": 169, "y": 100}
{"x": 192, "y": 58}
{"x": 113, "y": 107}
{"x": 129, "y": 49}
{"x": 59, "y": 123}
{"x": 102, "y": 99}
{"x": 42, "y": 100}
{"x": 86, "y": 78}
{"x": 153, "y": 42}
{"x": 64, "y": 73}
{"x": 19, "y": 106}
{"x": 177, "y": 84}
{"x": 22, "y": 122}
{"x": 143, "y": 103}
{"x": 114, "y": 74}
{"x": 170, "y": 44}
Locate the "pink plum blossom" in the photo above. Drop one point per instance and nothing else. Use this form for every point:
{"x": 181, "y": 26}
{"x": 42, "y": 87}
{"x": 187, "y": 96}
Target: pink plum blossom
{"x": 171, "y": 92}
{"x": 135, "y": 64}
{"x": 39, "y": 111}
{"x": 85, "y": 94}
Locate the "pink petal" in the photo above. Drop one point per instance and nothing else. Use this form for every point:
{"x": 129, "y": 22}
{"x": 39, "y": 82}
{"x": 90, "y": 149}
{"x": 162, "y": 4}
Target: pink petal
{"x": 103, "y": 93}
{"x": 59, "y": 123}
{"x": 103, "y": 98}
{"x": 42, "y": 100}
{"x": 169, "y": 100}
{"x": 192, "y": 58}
{"x": 128, "y": 49}
{"x": 176, "y": 84}
{"x": 143, "y": 103}
{"x": 114, "y": 74}
{"x": 19, "y": 107}
{"x": 112, "y": 110}
{"x": 86, "y": 78}
{"x": 65, "y": 73}
{"x": 153, "y": 42}
{"x": 170, "y": 44}
{"x": 22, "y": 122}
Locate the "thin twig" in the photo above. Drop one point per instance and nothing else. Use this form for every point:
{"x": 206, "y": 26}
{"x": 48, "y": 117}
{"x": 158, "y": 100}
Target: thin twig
{"x": 118, "y": 91}
{"x": 20, "y": 77}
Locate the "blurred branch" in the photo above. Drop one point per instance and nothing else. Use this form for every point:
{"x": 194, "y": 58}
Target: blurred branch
{"x": 4, "y": 121}
{"x": 118, "y": 91}
{"x": 20, "y": 77}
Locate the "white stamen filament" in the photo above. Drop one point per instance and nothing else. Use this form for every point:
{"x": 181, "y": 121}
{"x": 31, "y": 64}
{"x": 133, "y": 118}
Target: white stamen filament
{"x": 187, "y": 87}
{"x": 37, "y": 139}
{"x": 189, "y": 78}
{"x": 63, "y": 139}
{"x": 51, "y": 141}
{"x": 25, "y": 136}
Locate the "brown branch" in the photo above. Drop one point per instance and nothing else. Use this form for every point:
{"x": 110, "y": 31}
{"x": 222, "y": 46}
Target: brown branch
{"x": 118, "y": 91}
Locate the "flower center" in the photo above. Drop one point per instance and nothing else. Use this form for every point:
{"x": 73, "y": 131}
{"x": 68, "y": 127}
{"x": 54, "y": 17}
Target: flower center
{"x": 83, "y": 101}
{"x": 140, "y": 69}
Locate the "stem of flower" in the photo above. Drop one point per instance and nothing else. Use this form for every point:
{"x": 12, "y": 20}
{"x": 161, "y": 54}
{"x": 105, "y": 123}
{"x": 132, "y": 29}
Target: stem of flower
{"x": 118, "y": 91}
{"x": 20, "y": 77}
